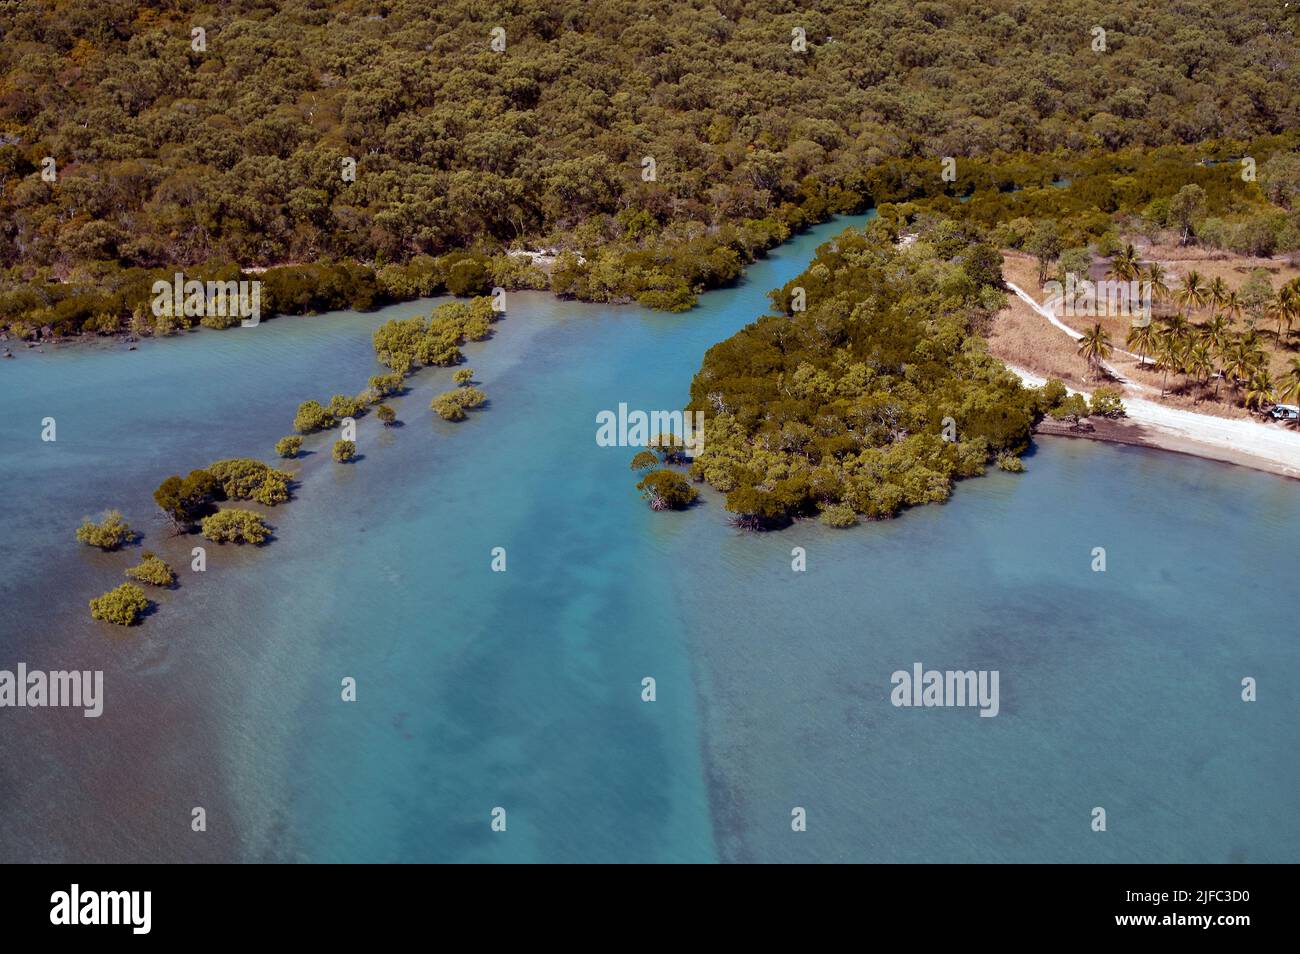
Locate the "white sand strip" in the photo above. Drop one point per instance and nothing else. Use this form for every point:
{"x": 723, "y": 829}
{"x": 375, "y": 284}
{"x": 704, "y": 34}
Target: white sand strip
{"x": 1275, "y": 446}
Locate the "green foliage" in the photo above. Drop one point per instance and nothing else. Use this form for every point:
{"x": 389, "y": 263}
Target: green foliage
{"x": 386, "y": 415}
{"x": 844, "y": 403}
{"x": 341, "y": 406}
{"x": 517, "y": 271}
{"x": 1186, "y": 207}
{"x": 462, "y": 152}
{"x": 406, "y": 343}
{"x": 671, "y": 448}
{"x": 317, "y": 287}
{"x": 441, "y": 343}
{"x": 385, "y": 385}
{"x": 152, "y": 570}
{"x": 186, "y": 500}
{"x": 1076, "y": 261}
{"x": 1107, "y": 402}
{"x": 667, "y": 490}
{"x": 644, "y": 460}
{"x": 1070, "y": 408}
{"x": 396, "y": 342}
{"x": 1136, "y": 189}
{"x": 123, "y": 605}
{"x": 105, "y": 323}
{"x": 840, "y": 516}
{"x": 1256, "y": 292}
{"x": 419, "y": 278}
{"x": 311, "y": 417}
{"x": 1044, "y": 244}
{"x": 1010, "y": 463}
{"x": 344, "y": 451}
{"x": 111, "y": 533}
{"x": 447, "y": 407}
{"x": 243, "y": 478}
{"x": 1279, "y": 178}
{"x": 288, "y": 446}
{"x": 468, "y": 275}
{"x": 463, "y": 376}
{"x": 235, "y": 526}
{"x": 1050, "y": 395}
{"x": 452, "y": 405}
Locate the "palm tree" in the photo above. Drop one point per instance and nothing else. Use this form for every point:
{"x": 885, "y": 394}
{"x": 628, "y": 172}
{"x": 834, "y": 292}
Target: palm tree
{"x": 1168, "y": 351}
{"x": 1200, "y": 362}
{"x": 1095, "y": 346}
{"x": 1215, "y": 334}
{"x": 1217, "y": 293}
{"x": 1289, "y": 298}
{"x": 1243, "y": 361}
{"x": 1178, "y": 326}
{"x": 1232, "y": 305}
{"x": 1125, "y": 264}
{"x": 1155, "y": 275}
{"x": 1192, "y": 292}
{"x": 1156, "y": 284}
{"x": 1260, "y": 389}
{"x": 1141, "y": 338}
{"x": 1289, "y": 389}
{"x": 1278, "y": 309}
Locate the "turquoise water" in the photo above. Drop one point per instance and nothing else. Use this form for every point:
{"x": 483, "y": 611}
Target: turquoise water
{"x": 522, "y": 689}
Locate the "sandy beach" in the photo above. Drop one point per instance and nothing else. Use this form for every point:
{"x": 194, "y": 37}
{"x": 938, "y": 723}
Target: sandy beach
{"x": 1268, "y": 447}
{"x": 1138, "y": 435}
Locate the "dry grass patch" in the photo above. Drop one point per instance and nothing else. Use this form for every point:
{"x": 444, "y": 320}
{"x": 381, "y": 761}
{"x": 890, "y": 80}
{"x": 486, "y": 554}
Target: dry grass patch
{"x": 1022, "y": 337}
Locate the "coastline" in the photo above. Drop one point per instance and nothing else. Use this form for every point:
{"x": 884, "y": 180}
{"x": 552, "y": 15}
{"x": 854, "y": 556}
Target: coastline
{"x": 1147, "y": 424}
{"x": 1272, "y": 448}
{"x": 1137, "y": 435}
{"x": 231, "y": 665}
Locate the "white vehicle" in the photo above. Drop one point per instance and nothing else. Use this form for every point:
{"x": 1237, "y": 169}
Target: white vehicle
{"x": 1285, "y": 412}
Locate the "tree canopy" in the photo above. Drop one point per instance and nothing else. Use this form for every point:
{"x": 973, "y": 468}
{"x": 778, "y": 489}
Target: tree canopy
{"x": 123, "y": 605}
{"x": 877, "y": 396}
{"x": 237, "y": 154}
{"x": 232, "y": 525}
{"x": 111, "y": 533}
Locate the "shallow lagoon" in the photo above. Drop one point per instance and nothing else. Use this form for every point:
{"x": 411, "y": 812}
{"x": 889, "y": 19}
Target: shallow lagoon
{"x": 522, "y": 689}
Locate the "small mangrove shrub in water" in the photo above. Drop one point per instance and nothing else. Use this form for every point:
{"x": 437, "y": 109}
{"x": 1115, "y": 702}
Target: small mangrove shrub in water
{"x": 288, "y": 446}
{"x": 123, "y": 606}
{"x": 235, "y": 526}
{"x": 667, "y": 490}
{"x": 111, "y": 533}
{"x": 152, "y": 570}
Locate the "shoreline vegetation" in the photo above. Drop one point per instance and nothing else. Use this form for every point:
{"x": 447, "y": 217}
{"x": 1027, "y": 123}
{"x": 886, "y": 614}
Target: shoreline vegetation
{"x": 765, "y": 492}
{"x": 1048, "y": 203}
{"x": 1212, "y": 367}
{"x": 877, "y": 463}
{"x": 1220, "y": 358}
{"x": 680, "y": 143}
{"x": 829, "y": 408}
{"x": 1267, "y": 448}
{"x": 190, "y": 503}
{"x": 869, "y": 391}
{"x": 676, "y": 155}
